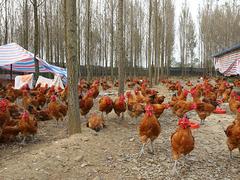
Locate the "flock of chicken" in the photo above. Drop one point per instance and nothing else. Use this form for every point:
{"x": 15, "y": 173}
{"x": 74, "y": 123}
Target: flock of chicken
{"x": 20, "y": 110}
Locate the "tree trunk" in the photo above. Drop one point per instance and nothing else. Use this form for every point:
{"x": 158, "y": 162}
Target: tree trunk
{"x": 120, "y": 47}
{"x": 131, "y": 48}
{"x": 112, "y": 36}
{"x": 36, "y": 39}
{"x": 47, "y": 32}
{"x": 88, "y": 39}
{"x": 74, "y": 124}
{"x": 149, "y": 43}
{"x": 26, "y": 25}
{"x": 156, "y": 41}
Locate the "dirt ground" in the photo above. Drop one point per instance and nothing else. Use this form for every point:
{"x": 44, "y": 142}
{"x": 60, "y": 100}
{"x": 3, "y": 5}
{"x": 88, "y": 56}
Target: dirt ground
{"x": 113, "y": 152}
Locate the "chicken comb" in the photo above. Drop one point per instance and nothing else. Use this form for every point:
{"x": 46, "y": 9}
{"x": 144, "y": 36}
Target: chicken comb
{"x": 184, "y": 122}
{"x": 122, "y": 97}
{"x": 167, "y": 106}
{"x": 238, "y": 110}
{"x": 185, "y": 92}
{"x": 59, "y": 88}
{"x": 3, "y": 103}
{"x": 53, "y": 98}
{"x": 25, "y": 114}
{"x": 136, "y": 91}
{"x": 26, "y": 86}
{"x": 90, "y": 92}
{"x": 238, "y": 97}
{"x": 143, "y": 85}
{"x": 128, "y": 93}
{"x": 96, "y": 81}
{"x": 149, "y": 108}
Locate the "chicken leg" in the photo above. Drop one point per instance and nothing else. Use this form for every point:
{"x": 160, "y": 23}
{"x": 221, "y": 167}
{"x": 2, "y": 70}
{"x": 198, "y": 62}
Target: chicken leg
{"x": 142, "y": 150}
{"x": 230, "y": 154}
{"x": 202, "y": 121}
{"x": 24, "y": 140}
{"x": 122, "y": 116}
{"x": 174, "y": 170}
{"x": 152, "y": 150}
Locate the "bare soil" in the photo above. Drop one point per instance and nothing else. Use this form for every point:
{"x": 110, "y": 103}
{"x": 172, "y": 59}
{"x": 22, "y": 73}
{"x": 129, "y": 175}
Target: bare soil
{"x": 113, "y": 152}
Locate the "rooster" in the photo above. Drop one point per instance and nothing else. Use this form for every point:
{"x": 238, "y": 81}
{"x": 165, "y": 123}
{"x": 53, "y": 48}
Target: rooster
{"x": 28, "y": 100}
{"x": 9, "y": 132}
{"x": 95, "y": 122}
{"x": 119, "y": 105}
{"x": 149, "y": 128}
{"x": 159, "y": 108}
{"x": 134, "y": 109}
{"x": 4, "y": 113}
{"x": 205, "y": 108}
{"x": 234, "y": 102}
{"x": 182, "y": 140}
{"x": 56, "y": 110}
{"x": 105, "y": 104}
{"x": 86, "y": 102}
{"x": 27, "y": 126}
{"x": 105, "y": 86}
{"x": 41, "y": 115}
{"x": 233, "y": 134}
{"x": 95, "y": 89}
{"x": 182, "y": 107}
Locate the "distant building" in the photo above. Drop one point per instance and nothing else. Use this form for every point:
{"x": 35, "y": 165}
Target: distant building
{"x": 227, "y": 62}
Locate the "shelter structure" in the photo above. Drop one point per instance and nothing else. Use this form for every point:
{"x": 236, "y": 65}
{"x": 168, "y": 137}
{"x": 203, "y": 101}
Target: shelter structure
{"x": 227, "y": 62}
{"x": 13, "y": 57}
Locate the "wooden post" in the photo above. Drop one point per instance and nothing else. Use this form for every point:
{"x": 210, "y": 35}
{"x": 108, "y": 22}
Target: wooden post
{"x": 11, "y": 72}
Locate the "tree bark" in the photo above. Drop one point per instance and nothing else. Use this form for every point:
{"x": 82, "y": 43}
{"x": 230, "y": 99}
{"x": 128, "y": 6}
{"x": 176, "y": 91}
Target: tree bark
{"x": 26, "y": 25}
{"x": 149, "y": 43}
{"x": 74, "y": 125}
{"x": 120, "y": 48}
{"x": 112, "y": 36}
{"x": 36, "y": 38}
{"x": 88, "y": 39}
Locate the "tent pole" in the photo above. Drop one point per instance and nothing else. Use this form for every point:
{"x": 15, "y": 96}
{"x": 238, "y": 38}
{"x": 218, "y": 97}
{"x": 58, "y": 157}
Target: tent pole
{"x": 11, "y": 72}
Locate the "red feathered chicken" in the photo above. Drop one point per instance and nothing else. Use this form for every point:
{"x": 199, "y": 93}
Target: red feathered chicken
{"x": 149, "y": 128}
{"x": 27, "y": 126}
{"x": 86, "y": 102}
{"x": 105, "y": 104}
{"x": 56, "y": 109}
{"x": 4, "y": 113}
{"x": 119, "y": 105}
{"x": 95, "y": 122}
{"x": 182, "y": 140}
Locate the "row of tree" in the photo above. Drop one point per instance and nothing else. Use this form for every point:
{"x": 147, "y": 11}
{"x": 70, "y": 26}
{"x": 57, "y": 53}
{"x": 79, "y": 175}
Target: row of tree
{"x": 149, "y": 33}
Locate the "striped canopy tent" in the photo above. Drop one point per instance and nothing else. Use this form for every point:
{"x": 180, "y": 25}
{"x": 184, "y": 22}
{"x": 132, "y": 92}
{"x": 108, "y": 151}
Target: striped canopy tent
{"x": 22, "y": 60}
{"x": 227, "y": 62}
